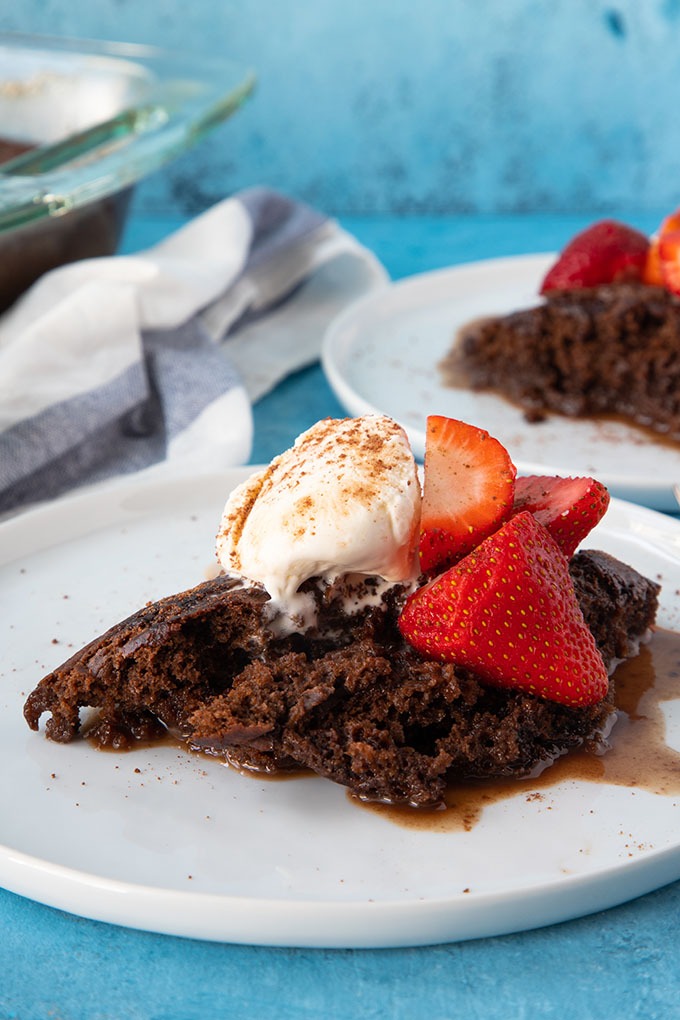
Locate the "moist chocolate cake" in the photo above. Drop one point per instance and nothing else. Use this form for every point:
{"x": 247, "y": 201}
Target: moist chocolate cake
{"x": 348, "y": 698}
{"x": 609, "y": 349}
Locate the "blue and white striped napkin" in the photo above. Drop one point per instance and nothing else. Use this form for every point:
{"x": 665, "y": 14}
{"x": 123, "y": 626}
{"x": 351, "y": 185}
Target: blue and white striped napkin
{"x": 110, "y": 365}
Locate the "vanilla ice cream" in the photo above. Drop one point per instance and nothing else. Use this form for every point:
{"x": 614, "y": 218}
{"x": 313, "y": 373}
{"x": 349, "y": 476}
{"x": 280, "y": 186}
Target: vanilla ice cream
{"x": 345, "y": 499}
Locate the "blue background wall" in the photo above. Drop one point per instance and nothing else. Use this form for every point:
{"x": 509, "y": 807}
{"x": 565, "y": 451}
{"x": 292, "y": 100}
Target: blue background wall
{"x": 441, "y": 106}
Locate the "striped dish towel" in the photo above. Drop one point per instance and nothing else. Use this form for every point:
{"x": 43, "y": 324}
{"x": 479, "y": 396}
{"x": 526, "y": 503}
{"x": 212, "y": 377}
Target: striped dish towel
{"x": 110, "y": 365}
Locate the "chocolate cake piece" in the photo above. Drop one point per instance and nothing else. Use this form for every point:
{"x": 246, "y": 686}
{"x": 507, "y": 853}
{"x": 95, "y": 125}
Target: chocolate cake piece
{"x": 151, "y": 670}
{"x": 614, "y": 602}
{"x": 613, "y": 349}
{"x": 349, "y": 699}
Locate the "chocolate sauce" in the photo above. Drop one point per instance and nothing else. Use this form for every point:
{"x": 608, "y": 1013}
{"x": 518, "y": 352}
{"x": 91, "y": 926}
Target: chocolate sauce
{"x": 637, "y": 756}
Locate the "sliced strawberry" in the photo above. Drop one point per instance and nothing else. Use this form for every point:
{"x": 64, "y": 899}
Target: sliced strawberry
{"x": 468, "y": 490}
{"x": 508, "y": 612}
{"x": 606, "y": 252}
{"x": 653, "y": 274}
{"x": 669, "y": 259}
{"x": 663, "y": 270}
{"x": 568, "y": 507}
{"x": 670, "y": 223}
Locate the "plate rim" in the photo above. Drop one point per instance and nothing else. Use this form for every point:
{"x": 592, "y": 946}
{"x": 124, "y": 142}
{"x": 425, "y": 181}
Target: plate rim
{"x": 297, "y": 923}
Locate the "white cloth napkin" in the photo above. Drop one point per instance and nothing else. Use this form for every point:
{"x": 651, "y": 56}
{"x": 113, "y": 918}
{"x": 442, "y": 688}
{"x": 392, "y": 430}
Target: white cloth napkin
{"x": 111, "y": 365}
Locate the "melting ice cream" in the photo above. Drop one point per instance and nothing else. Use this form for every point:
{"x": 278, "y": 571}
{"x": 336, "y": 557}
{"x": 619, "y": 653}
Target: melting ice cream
{"x": 345, "y": 499}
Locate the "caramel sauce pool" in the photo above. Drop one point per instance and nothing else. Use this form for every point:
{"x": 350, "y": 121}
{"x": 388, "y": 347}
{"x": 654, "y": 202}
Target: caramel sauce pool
{"x": 638, "y": 755}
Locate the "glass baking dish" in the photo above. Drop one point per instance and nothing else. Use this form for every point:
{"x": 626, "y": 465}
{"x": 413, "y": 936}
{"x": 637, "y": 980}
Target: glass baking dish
{"x": 81, "y": 122}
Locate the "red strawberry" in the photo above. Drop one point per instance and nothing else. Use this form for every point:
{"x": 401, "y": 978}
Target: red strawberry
{"x": 508, "y": 612}
{"x": 568, "y": 507}
{"x": 606, "y": 252}
{"x": 467, "y": 491}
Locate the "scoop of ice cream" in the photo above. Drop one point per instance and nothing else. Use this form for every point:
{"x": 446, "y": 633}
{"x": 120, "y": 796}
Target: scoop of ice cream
{"x": 345, "y": 499}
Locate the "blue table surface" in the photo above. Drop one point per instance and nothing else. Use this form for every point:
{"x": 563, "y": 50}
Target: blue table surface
{"x": 617, "y": 963}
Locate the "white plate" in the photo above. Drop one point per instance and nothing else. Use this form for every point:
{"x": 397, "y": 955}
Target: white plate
{"x": 382, "y": 355}
{"x": 173, "y": 843}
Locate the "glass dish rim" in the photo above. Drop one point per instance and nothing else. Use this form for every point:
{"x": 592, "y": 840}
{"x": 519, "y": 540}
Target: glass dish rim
{"x": 191, "y": 95}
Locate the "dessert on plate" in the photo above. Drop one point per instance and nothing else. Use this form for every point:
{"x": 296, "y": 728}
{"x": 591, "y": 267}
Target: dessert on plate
{"x": 604, "y": 339}
{"x": 389, "y": 636}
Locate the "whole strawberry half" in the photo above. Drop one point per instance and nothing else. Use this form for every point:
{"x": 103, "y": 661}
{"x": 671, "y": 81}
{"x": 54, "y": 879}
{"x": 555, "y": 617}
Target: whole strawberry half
{"x": 468, "y": 490}
{"x": 568, "y": 507}
{"x": 606, "y": 252}
{"x": 508, "y": 612}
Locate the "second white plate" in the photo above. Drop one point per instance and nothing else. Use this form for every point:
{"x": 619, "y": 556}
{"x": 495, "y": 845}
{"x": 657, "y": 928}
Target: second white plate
{"x": 382, "y": 355}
